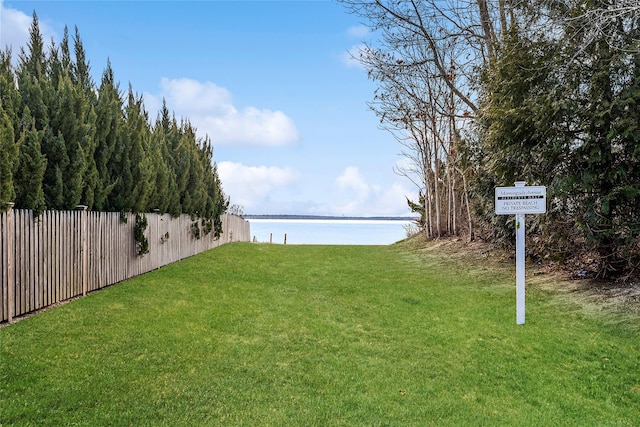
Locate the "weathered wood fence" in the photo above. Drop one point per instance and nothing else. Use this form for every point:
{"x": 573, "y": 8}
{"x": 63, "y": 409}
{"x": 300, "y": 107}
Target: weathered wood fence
{"x": 64, "y": 254}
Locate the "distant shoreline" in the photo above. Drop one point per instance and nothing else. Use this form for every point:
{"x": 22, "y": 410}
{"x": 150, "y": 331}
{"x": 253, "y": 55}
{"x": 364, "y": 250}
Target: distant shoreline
{"x": 346, "y": 218}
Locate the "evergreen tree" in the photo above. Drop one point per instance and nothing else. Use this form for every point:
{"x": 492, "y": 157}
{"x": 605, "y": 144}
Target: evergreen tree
{"x": 85, "y": 101}
{"x": 32, "y": 164}
{"x": 34, "y": 62}
{"x": 159, "y": 198}
{"x": 137, "y": 135}
{"x": 194, "y": 195}
{"x": 171, "y": 131}
{"x": 31, "y": 76}
{"x": 118, "y": 199}
{"x": 81, "y": 74}
{"x": 33, "y": 122}
{"x": 9, "y": 95}
{"x": 208, "y": 181}
{"x": 164, "y": 134}
{"x": 67, "y": 125}
{"x": 603, "y": 180}
{"x": 517, "y": 123}
{"x": 182, "y": 162}
{"x": 220, "y": 201}
{"x": 419, "y": 208}
{"x": 58, "y": 62}
{"x": 109, "y": 121}
{"x": 216, "y": 203}
{"x": 54, "y": 149}
{"x": 9, "y": 121}
{"x": 53, "y": 143}
{"x": 173, "y": 193}
{"x": 516, "y": 90}
{"x": 8, "y": 159}
{"x": 131, "y": 164}
{"x": 119, "y": 169}
{"x": 33, "y": 96}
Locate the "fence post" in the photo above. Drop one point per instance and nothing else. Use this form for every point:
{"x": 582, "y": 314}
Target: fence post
{"x": 83, "y": 246}
{"x": 11, "y": 253}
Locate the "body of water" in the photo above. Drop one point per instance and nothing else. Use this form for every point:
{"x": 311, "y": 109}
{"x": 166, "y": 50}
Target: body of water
{"x": 329, "y": 231}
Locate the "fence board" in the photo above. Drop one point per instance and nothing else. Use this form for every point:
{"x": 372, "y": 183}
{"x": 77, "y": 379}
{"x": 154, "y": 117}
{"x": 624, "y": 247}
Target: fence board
{"x": 38, "y": 273}
{"x": 4, "y": 258}
{"x": 20, "y": 270}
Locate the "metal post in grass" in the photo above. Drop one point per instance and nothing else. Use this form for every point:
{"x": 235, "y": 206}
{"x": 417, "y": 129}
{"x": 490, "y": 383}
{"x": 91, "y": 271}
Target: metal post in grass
{"x": 520, "y": 200}
{"x": 520, "y": 268}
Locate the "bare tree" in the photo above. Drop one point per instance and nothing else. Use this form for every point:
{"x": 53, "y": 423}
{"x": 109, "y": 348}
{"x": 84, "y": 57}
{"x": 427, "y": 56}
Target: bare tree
{"x": 427, "y": 59}
{"x": 592, "y": 22}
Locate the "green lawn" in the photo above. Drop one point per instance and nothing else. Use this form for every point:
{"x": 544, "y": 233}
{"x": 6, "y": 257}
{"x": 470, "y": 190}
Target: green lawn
{"x": 272, "y": 335}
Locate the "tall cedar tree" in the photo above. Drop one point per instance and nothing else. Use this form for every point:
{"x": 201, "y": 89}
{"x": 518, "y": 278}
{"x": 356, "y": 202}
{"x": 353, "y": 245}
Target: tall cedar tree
{"x": 170, "y": 143}
{"x": 8, "y": 159}
{"x": 85, "y": 109}
{"x": 9, "y": 104}
{"x": 9, "y": 95}
{"x": 28, "y": 182}
{"x": 137, "y": 135}
{"x": 53, "y": 145}
{"x": 159, "y": 199}
{"x": 109, "y": 122}
{"x": 68, "y": 123}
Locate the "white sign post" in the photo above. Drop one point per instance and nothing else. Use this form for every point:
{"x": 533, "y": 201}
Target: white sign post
{"x": 520, "y": 200}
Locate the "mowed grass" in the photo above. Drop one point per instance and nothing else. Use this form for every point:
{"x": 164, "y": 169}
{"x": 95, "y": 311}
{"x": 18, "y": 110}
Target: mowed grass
{"x": 272, "y": 335}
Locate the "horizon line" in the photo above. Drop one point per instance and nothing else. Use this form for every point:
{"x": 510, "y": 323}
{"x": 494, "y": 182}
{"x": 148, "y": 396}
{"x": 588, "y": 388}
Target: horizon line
{"x": 309, "y": 216}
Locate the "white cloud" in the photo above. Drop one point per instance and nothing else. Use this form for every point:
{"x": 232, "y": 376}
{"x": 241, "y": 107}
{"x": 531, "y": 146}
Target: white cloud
{"x": 352, "y": 179}
{"x": 196, "y": 97}
{"x": 358, "y": 31}
{"x": 351, "y": 57}
{"x": 276, "y": 190}
{"x": 14, "y": 27}
{"x": 14, "y": 30}
{"x": 355, "y": 196}
{"x": 249, "y": 186}
{"x": 210, "y": 109}
{"x": 393, "y": 200}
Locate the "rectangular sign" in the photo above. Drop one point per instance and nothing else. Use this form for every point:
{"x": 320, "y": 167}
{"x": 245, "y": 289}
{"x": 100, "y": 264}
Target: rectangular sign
{"x": 521, "y": 200}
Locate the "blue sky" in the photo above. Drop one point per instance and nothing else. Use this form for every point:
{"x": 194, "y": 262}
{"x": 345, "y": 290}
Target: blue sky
{"x": 270, "y": 82}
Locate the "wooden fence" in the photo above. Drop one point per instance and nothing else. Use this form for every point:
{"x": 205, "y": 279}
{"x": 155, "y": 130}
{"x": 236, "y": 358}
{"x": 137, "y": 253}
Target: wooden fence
{"x": 64, "y": 254}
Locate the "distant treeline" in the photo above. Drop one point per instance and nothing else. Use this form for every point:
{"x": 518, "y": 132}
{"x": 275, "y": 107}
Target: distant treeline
{"x": 65, "y": 141}
{"x": 350, "y": 218}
